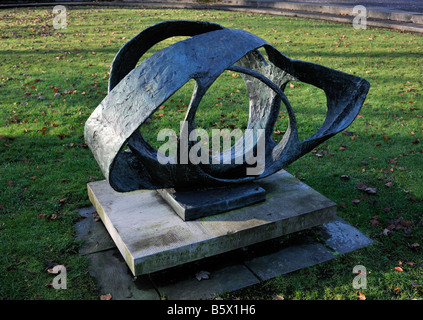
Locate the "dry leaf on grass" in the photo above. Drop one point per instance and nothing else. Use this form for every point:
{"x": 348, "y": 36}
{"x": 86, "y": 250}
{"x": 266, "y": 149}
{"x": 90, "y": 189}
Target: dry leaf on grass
{"x": 360, "y": 296}
{"x": 107, "y": 296}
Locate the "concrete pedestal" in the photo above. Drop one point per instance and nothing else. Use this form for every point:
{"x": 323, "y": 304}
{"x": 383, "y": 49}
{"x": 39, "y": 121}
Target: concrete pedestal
{"x": 151, "y": 236}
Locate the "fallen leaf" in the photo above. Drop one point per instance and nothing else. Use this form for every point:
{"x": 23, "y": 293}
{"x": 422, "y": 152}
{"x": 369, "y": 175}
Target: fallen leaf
{"x": 374, "y": 221}
{"x": 389, "y": 184}
{"x": 51, "y": 270}
{"x": 407, "y": 223}
{"x": 202, "y": 275}
{"x": 414, "y": 245}
{"x": 399, "y": 269}
{"x": 394, "y": 160}
{"x": 371, "y": 190}
{"x": 96, "y": 217}
{"x": 361, "y": 186}
{"x": 355, "y": 201}
{"x": 415, "y": 284}
{"x": 278, "y": 297}
{"x": 360, "y": 296}
{"x": 365, "y": 188}
{"x": 107, "y": 296}
{"x": 412, "y": 199}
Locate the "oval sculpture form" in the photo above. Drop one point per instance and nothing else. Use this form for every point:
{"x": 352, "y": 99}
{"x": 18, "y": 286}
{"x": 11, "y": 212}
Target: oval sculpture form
{"x": 135, "y": 93}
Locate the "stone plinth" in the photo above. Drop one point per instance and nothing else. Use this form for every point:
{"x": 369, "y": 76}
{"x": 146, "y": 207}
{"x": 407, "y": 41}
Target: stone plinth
{"x": 152, "y": 237}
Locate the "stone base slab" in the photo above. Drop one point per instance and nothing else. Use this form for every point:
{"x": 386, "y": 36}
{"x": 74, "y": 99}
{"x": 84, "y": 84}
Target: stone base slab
{"x": 151, "y": 237}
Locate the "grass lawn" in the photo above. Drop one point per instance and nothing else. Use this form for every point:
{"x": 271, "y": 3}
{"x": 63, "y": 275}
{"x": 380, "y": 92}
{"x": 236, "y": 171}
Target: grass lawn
{"x": 51, "y": 80}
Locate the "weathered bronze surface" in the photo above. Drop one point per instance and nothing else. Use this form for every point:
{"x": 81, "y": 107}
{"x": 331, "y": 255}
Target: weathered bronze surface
{"x": 136, "y": 92}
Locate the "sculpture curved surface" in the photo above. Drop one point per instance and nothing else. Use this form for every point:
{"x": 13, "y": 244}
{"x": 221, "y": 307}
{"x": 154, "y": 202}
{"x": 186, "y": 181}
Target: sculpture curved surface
{"x": 135, "y": 93}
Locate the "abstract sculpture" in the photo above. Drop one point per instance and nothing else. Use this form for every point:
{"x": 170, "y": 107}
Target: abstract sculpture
{"x": 135, "y": 94}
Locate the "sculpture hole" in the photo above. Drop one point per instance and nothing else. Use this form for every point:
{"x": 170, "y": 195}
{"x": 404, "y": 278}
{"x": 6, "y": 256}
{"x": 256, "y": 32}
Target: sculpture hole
{"x": 281, "y": 125}
{"x": 224, "y": 107}
{"x": 309, "y": 105}
{"x": 159, "y": 46}
{"x": 263, "y": 52}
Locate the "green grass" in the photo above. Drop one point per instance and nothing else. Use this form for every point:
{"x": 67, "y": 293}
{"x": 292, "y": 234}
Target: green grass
{"x": 45, "y": 164}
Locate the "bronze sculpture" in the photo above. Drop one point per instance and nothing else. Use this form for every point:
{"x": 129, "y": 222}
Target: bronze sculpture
{"x": 135, "y": 93}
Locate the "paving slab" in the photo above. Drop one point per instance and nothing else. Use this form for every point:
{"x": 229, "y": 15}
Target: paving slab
{"x": 290, "y": 259}
{"x": 343, "y": 237}
{"x": 92, "y": 233}
{"x": 113, "y": 277}
{"x": 220, "y": 278}
{"x": 226, "y": 272}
